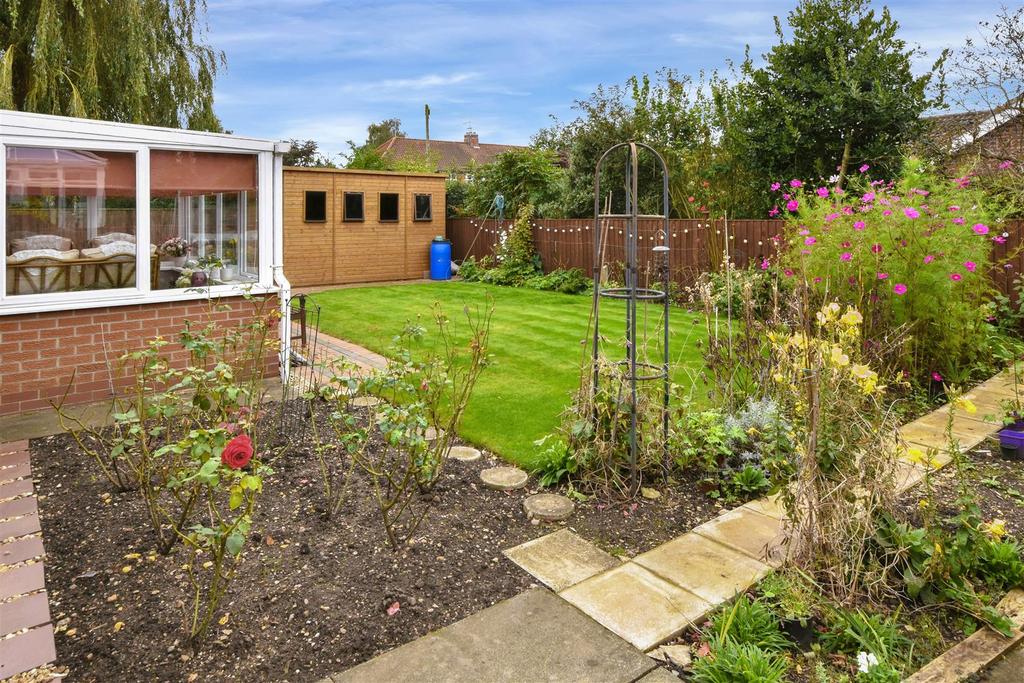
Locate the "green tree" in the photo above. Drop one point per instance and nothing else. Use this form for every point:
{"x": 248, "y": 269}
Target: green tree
{"x": 307, "y": 153}
{"x": 523, "y": 177}
{"x": 660, "y": 111}
{"x": 838, "y": 92}
{"x": 379, "y": 133}
{"x": 139, "y": 61}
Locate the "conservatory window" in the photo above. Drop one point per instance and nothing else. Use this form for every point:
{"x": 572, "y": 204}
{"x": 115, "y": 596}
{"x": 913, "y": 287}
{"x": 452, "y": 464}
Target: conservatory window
{"x": 70, "y": 220}
{"x": 204, "y": 218}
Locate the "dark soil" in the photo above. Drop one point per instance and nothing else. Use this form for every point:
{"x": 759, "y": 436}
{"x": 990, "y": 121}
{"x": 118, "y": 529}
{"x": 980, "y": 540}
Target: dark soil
{"x": 311, "y": 597}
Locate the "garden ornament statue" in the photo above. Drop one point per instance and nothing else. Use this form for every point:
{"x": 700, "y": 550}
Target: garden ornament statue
{"x": 636, "y": 366}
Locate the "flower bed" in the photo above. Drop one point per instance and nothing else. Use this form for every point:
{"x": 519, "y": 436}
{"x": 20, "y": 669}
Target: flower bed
{"x": 310, "y": 597}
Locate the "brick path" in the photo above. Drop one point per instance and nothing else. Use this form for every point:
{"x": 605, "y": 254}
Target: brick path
{"x": 26, "y": 635}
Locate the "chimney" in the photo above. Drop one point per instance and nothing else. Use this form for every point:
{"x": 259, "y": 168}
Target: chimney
{"x": 471, "y": 138}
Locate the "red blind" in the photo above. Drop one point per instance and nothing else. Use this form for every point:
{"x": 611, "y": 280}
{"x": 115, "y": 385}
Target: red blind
{"x": 69, "y": 172}
{"x": 192, "y": 173}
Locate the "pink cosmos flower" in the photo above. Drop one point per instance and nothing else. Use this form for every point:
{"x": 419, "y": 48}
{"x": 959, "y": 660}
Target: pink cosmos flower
{"x": 831, "y": 217}
{"x": 911, "y": 212}
{"x": 1005, "y": 165}
{"x": 980, "y": 229}
{"x": 805, "y": 231}
{"x": 822, "y": 192}
{"x": 809, "y": 241}
{"x": 998, "y": 239}
{"x": 958, "y": 220}
{"x": 868, "y": 197}
{"x": 776, "y": 186}
{"x": 765, "y": 264}
{"x": 774, "y": 212}
{"x": 937, "y": 377}
{"x": 852, "y": 279}
{"x": 792, "y": 205}
{"x": 876, "y": 248}
{"x": 928, "y": 259}
{"x": 817, "y": 280}
{"x": 848, "y": 210}
{"x": 845, "y": 245}
{"x": 788, "y": 272}
{"x": 859, "y": 225}
{"x": 883, "y": 276}
{"x": 970, "y": 265}
{"x": 864, "y": 168}
{"x": 845, "y": 256}
{"x": 795, "y": 183}
{"x": 805, "y": 252}
{"x": 956, "y": 277}
{"x": 899, "y": 289}
{"x": 954, "y": 207}
{"x": 887, "y": 212}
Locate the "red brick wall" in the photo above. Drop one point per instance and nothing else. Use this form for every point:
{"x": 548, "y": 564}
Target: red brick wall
{"x": 40, "y": 353}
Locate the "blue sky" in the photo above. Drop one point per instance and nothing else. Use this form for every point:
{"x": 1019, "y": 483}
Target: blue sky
{"x": 325, "y": 69}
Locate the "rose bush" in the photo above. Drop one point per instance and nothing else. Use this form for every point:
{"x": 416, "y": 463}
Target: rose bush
{"x": 912, "y": 255}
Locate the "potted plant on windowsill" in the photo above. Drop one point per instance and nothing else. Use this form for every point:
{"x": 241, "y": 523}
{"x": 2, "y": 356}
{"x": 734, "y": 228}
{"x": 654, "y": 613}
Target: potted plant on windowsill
{"x": 175, "y": 248}
{"x": 211, "y": 265}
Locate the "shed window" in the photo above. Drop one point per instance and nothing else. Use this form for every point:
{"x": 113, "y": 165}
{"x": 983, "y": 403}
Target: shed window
{"x": 423, "y": 212}
{"x": 315, "y": 210}
{"x": 353, "y": 206}
{"x": 388, "y": 207}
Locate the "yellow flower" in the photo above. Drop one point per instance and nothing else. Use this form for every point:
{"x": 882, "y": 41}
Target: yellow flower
{"x": 923, "y": 503}
{"x": 916, "y": 456}
{"x": 938, "y": 548}
{"x": 996, "y": 528}
{"x": 838, "y": 357}
{"x": 851, "y": 317}
{"x": 964, "y": 403}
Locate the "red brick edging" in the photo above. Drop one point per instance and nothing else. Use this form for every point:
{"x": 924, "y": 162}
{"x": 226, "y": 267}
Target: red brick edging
{"x": 26, "y": 634}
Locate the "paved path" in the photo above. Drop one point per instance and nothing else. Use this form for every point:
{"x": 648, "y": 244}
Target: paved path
{"x": 534, "y": 637}
{"x": 26, "y": 635}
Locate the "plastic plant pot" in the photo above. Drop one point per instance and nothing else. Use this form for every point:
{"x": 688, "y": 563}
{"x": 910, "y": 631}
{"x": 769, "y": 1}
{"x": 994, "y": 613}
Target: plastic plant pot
{"x": 1011, "y": 441}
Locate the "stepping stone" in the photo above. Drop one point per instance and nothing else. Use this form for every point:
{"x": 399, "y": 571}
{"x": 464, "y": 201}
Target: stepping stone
{"x": 535, "y": 636}
{"x": 930, "y": 431}
{"x": 561, "y": 559}
{"x": 366, "y": 401}
{"x": 753, "y": 534}
{"x": 659, "y": 675}
{"x": 464, "y": 453}
{"x": 637, "y": 605}
{"x": 504, "y": 478}
{"x": 548, "y": 507}
{"x": 704, "y": 567}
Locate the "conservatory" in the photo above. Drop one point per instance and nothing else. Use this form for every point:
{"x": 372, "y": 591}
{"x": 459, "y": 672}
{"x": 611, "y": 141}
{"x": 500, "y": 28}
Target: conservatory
{"x": 98, "y": 213}
{"x": 116, "y": 233}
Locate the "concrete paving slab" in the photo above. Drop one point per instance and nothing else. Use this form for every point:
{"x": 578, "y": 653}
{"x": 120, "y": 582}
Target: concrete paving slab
{"x": 535, "y": 636}
{"x": 930, "y": 431}
{"x": 704, "y": 567}
{"x": 659, "y": 675}
{"x": 756, "y": 535}
{"x": 561, "y": 559}
{"x": 637, "y": 605}
{"x": 769, "y": 505}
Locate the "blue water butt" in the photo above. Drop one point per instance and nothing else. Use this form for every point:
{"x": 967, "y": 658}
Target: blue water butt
{"x": 440, "y": 259}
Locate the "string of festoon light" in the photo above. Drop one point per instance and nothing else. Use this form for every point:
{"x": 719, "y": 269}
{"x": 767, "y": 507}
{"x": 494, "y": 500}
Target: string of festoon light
{"x": 586, "y": 228}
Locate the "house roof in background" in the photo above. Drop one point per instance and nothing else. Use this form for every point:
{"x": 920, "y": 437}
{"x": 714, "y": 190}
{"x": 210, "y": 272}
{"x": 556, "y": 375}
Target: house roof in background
{"x": 954, "y": 131}
{"x": 452, "y": 154}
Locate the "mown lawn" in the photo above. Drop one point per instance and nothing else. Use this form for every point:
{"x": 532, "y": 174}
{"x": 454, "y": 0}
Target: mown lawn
{"x": 535, "y": 345}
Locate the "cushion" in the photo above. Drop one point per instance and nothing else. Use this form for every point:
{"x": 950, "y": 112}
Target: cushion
{"x": 41, "y": 242}
{"x": 110, "y": 249}
{"x": 26, "y": 254}
{"x": 100, "y": 240}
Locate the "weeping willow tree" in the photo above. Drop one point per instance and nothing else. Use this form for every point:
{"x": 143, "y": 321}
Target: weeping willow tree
{"x": 139, "y": 61}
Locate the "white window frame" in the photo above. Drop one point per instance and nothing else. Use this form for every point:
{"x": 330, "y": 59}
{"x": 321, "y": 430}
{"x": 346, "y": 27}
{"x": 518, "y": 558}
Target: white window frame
{"x": 18, "y": 129}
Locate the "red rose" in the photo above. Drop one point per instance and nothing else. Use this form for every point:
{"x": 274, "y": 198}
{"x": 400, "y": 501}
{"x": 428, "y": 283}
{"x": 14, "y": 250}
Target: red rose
{"x": 238, "y": 452}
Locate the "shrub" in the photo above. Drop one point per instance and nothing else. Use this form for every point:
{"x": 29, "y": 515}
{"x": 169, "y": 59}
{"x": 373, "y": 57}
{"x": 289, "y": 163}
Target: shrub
{"x": 566, "y": 281}
{"x": 911, "y": 255}
{"x": 557, "y": 461}
{"x": 732, "y": 662}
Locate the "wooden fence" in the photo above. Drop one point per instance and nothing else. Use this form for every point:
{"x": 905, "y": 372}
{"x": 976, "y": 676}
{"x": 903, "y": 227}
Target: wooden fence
{"x": 695, "y": 244}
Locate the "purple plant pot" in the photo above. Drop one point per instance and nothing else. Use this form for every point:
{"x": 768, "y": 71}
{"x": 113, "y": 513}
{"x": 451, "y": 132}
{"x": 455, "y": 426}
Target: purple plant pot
{"x": 1011, "y": 441}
